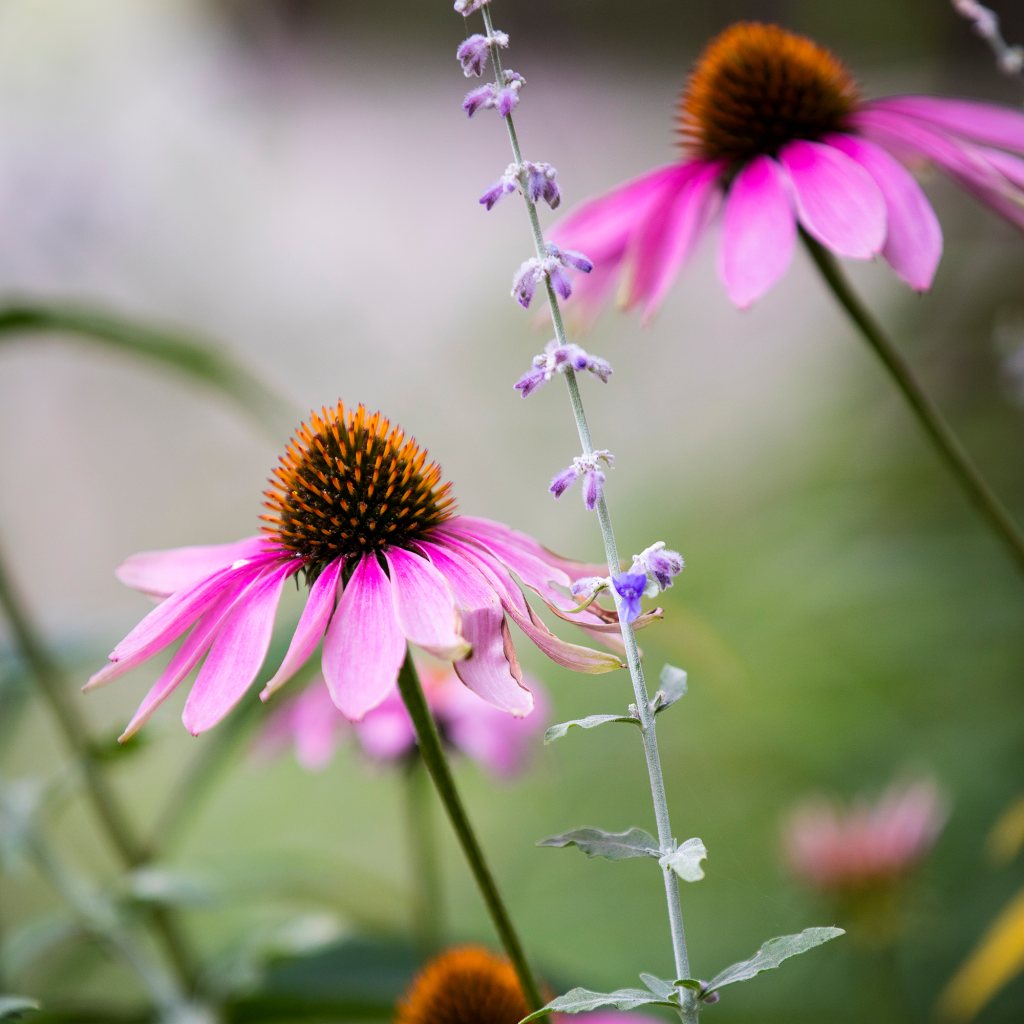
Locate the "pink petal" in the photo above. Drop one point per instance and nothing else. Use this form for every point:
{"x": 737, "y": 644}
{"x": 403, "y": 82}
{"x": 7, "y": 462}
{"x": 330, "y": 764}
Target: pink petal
{"x": 990, "y": 123}
{"x": 364, "y": 646}
{"x": 836, "y": 200}
{"x": 387, "y": 732}
{"x": 311, "y": 627}
{"x": 162, "y": 573}
{"x": 169, "y": 620}
{"x": 189, "y": 654}
{"x": 238, "y": 652}
{"x": 1011, "y": 167}
{"x": 758, "y": 232}
{"x": 423, "y": 605}
{"x": 492, "y": 670}
{"x": 913, "y": 243}
{"x": 689, "y": 219}
{"x": 647, "y": 236}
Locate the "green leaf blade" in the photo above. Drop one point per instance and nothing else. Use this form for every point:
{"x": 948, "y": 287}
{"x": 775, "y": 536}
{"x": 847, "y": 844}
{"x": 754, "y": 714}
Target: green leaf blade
{"x": 685, "y": 860}
{"x": 595, "y": 842}
{"x": 580, "y": 1000}
{"x": 12, "y": 1007}
{"x": 672, "y": 687}
{"x": 771, "y": 954}
{"x": 556, "y": 732}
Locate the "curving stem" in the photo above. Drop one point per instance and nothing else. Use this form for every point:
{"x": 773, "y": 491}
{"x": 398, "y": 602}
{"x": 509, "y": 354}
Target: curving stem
{"x": 437, "y": 765}
{"x": 924, "y": 408}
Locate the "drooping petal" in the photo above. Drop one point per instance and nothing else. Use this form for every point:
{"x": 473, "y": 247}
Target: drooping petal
{"x": 169, "y": 620}
{"x": 189, "y": 654}
{"x": 758, "y": 232}
{"x": 162, "y": 573}
{"x": 316, "y": 726}
{"x": 690, "y": 217}
{"x": 424, "y": 606}
{"x": 311, "y": 627}
{"x": 1011, "y": 167}
{"x": 364, "y": 646}
{"x": 387, "y": 731}
{"x": 492, "y": 670}
{"x": 237, "y": 653}
{"x": 644, "y": 251}
{"x": 989, "y": 123}
{"x": 836, "y": 199}
{"x": 913, "y": 243}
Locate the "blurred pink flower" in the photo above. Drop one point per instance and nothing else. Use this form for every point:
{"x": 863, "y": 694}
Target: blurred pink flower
{"x": 499, "y": 742}
{"x": 349, "y": 497}
{"x": 869, "y": 844}
{"x": 774, "y": 126}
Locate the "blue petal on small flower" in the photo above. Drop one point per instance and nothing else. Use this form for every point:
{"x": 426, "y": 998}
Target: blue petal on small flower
{"x": 630, "y": 587}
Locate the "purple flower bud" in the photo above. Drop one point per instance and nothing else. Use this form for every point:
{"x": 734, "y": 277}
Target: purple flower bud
{"x": 532, "y": 380}
{"x": 524, "y": 284}
{"x": 467, "y": 7}
{"x": 561, "y": 482}
{"x": 507, "y": 100}
{"x": 536, "y": 181}
{"x": 560, "y": 281}
{"x": 630, "y": 586}
{"x": 592, "y": 489}
{"x": 483, "y": 96}
{"x": 579, "y": 359}
{"x": 587, "y": 586}
{"x": 472, "y": 54}
{"x": 708, "y": 1000}
{"x": 576, "y": 260}
{"x": 659, "y": 564}
{"x": 497, "y": 191}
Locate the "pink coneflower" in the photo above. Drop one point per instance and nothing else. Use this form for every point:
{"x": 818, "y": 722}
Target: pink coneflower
{"x": 775, "y": 130}
{"x": 869, "y": 844}
{"x": 498, "y": 741}
{"x": 357, "y": 509}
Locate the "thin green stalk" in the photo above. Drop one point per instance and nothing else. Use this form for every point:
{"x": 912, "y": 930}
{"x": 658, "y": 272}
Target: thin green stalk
{"x": 424, "y": 869}
{"x": 665, "y": 838}
{"x": 924, "y": 408}
{"x": 437, "y": 764}
{"x": 109, "y": 811}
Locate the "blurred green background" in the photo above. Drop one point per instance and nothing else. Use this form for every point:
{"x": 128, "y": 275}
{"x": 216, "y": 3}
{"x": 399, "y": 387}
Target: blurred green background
{"x": 298, "y": 180}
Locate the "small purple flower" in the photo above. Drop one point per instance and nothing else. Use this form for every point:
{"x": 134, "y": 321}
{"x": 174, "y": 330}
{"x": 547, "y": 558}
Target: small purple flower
{"x": 659, "y": 564}
{"x": 713, "y": 998}
{"x": 541, "y": 184}
{"x": 630, "y": 587}
{"x": 482, "y": 96}
{"x": 524, "y": 284}
{"x": 467, "y": 7}
{"x": 556, "y": 359}
{"x": 473, "y": 52}
{"x": 587, "y": 586}
{"x": 593, "y": 489}
{"x": 559, "y": 279}
{"x": 561, "y": 482}
{"x": 571, "y": 258}
{"x": 531, "y": 380}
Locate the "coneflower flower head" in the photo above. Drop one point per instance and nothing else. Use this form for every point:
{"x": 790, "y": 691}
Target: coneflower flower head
{"x": 774, "y": 130}
{"x": 357, "y": 508}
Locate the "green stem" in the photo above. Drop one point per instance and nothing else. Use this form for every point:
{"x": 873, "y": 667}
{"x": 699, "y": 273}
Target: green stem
{"x": 55, "y": 690}
{"x": 920, "y": 402}
{"x": 425, "y": 871}
{"x": 658, "y": 796}
{"x": 437, "y": 764}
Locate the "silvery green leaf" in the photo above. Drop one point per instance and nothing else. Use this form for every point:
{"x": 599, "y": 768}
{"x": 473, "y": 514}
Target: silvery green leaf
{"x": 595, "y": 842}
{"x": 690, "y": 983}
{"x": 685, "y": 860}
{"x": 672, "y": 686}
{"x": 771, "y": 954}
{"x": 12, "y": 1007}
{"x": 36, "y": 937}
{"x": 556, "y": 732}
{"x": 662, "y": 989}
{"x": 171, "y": 888}
{"x": 579, "y": 1000}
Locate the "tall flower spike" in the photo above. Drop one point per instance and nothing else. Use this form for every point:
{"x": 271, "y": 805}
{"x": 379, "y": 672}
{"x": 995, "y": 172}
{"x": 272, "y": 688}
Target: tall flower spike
{"x": 588, "y": 467}
{"x": 557, "y": 359}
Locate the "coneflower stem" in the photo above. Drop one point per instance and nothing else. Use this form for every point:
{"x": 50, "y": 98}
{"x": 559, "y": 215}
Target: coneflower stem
{"x": 437, "y": 765}
{"x": 427, "y": 904}
{"x": 661, "y": 816}
{"x": 55, "y": 690}
{"x": 920, "y": 402}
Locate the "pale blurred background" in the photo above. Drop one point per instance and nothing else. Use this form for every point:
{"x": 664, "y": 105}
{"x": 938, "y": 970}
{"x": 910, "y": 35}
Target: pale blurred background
{"x": 298, "y": 181}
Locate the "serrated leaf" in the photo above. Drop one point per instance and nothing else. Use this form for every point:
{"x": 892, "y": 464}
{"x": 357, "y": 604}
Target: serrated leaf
{"x": 685, "y": 860}
{"x": 198, "y": 359}
{"x": 12, "y": 1007}
{"x": 662, "y": 989}
{"x": 579, "y": 1000}
{"x": 672, "y": 686}
{"x": 556, "y": 732}
{"x": 771, "y": 954}
{"x": 595, "y": 842}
